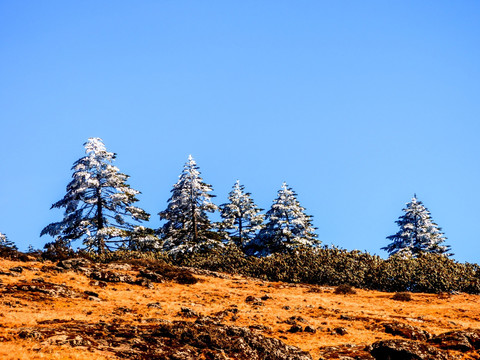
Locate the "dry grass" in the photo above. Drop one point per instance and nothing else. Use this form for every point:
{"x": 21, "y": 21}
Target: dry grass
{"x": 320, "y": 308}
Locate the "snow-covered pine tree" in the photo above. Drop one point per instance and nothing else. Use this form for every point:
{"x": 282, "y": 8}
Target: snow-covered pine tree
{"x": 241, "y": 217}
{"x": 286, "y": 226}
{"x": 187, "y": 226}
{"x": 6, "y": 244}
{"x": 98, "y": 205}
{"x": 418, "y": 233}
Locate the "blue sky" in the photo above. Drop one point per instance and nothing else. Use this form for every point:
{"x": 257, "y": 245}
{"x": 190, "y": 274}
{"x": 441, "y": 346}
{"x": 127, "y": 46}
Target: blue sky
{"x": 357, "y": 105}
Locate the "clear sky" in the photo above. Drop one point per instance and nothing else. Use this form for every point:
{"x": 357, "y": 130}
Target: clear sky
{"x": 357, "y": 105}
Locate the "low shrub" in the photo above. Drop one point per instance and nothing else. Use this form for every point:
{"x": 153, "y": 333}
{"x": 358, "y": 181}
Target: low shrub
{"x": 402, "y": 296}
{"x": 319, "y": 266}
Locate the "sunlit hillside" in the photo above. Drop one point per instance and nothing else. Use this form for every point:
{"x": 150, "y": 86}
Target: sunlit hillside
{"x": 79, "y": 310}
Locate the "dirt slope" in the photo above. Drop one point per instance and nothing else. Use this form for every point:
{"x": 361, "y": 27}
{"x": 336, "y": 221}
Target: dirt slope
{"x": 84, "y": 311}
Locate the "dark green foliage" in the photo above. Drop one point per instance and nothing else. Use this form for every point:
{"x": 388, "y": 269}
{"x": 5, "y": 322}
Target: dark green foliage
{"x": 431, "y": 273}
{"x": 8, "y": 249}
{"x": 58, "y": 250}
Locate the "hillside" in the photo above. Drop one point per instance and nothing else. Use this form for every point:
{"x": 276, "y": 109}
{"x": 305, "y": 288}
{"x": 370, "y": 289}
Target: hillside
{"x": 79, "y": 310}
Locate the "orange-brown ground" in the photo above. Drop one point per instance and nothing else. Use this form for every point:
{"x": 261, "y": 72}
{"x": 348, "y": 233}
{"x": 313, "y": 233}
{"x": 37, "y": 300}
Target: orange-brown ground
{"x": 321, "y": 309}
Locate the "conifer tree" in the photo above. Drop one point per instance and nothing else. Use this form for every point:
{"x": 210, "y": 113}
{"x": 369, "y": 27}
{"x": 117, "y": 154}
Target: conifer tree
{"x": 241, "y": 216}
{"x": 418, "y": 233}
{"x": 286, "y": 226}
{"x": 6, "y": 244}
{"x": 99, "y": 205}
{"x": 187, "y": 226}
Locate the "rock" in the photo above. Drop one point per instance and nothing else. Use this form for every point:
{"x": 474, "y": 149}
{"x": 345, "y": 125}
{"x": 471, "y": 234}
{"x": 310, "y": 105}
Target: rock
{"x": 45, "y": 288}
{"x": 110, "y": 276}
{"x": 144, "y": 282}
{"x": 187, "y": 312}
{"x": 266, "y": 297}
{"x": 90, "y": 293}
{"x": 260, "y": 327}
{"x": 155, "y": 305}
{"x": 78, "y": 341}
{"x": 295, "y": 329}
{"x": 172, "y": 340}
{"x": 101, "y": 284}
{"x": 346, "y": 352}
{"x": 75, "y": 263}
{"x": 293, "y": 320}
{"x": 405, "y": 350}
{"x": 310, "y": 329}
{"x": 152, "y": 276}
{"x": 340, "y": 331}
{"x": 458, "y": 340}
{"x": 406, "y": 331}
{"x": 61, "y": 339}
{"x": 33, "y": 334}
{"x": 254, "y": 300}
{"x": 122, "y": 310}
{"x": 17, "y": 269}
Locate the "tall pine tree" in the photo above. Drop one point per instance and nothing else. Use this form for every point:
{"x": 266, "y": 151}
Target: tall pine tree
{"x": 187, "y": 226}
{"x": 241, "y": 217}
{"x": 286, "y": 226}
{"x": 418, "y": 233}
{"x": 98, "y": 205}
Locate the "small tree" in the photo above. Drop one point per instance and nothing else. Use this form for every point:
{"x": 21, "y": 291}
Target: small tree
{"x": 418, "y": 233}
{"x": 241, "y": 216}
{"x": 187, "y": 226}
{"x": 98, "y": 204}
{"x": 287, "y": 226}
{"x": 6, "y": 244}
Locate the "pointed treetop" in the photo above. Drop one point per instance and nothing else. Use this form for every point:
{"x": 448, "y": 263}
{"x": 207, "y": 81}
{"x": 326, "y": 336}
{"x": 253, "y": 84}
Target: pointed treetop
{"x": 187, "y": 226}
{"x": 94, "y": 144}
{"x": 287, "y": 226}
{"x": 241, "y": 216}
{"x": 418, "y": 233}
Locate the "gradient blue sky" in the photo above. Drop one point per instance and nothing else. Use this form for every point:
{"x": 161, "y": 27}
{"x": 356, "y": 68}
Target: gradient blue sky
{"x": 355, "y": 104}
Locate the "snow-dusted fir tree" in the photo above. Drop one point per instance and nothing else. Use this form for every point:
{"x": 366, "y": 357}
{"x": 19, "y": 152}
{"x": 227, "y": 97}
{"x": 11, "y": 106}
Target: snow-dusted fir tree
{"x": 99, "y": 205}
{"x": 5, "y": 243}
{"x": 286, "y": 226}
{"x": 187, "y": 226}
{"x": 241, "y": 217}
{"x": 418, "y": 233}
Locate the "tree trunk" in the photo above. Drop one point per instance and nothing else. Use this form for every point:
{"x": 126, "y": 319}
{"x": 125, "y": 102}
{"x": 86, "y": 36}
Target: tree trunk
{"x": 100, "y": 224}
{"x": 240, "y": 231}
{"x": 194, "y": 216}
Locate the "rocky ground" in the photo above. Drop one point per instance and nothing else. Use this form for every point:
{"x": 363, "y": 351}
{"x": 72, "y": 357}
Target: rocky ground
{"x": 75, "y": 309}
